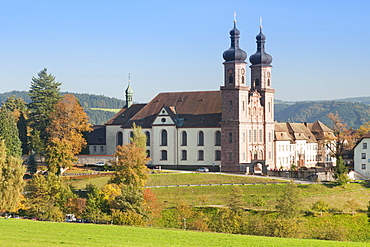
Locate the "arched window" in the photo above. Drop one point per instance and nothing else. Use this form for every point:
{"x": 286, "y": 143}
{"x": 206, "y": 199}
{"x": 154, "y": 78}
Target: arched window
{"x": 230, "y": 136}
{"x": 268, "y": 82}
{"x": 163, "y": 155}
{"x": 164, "y": 138}
{"x": 119, "y": 139}
{"x": 184, "y": 155}
{"x": 231, "y": 79}
{"x": 200, "y": 138}
{"x": 243, "y": 79}
{"x": 200, "y": 155}
{"x": 257, "y": 82}
{"x": 218, "y": 138}
{"x": 184, "y": 138}
{"x": 217, "y": 155}
{"x": 147, "y": 138}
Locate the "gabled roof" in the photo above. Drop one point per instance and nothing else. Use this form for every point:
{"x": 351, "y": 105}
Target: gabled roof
{"x": 364, "y": 137}
{"x": 191, "y": 109}
{"x": 124, "y": 115}
{"x": 293, "y": 132}
{"x": 97, "y": 136}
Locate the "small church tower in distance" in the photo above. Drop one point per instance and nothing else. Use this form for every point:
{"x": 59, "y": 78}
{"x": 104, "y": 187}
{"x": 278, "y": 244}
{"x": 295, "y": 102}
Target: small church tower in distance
{"x": 129, "y": 93}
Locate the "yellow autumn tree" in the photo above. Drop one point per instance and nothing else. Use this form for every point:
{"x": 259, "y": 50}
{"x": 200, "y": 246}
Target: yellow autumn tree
{"x": 68, "y": 123}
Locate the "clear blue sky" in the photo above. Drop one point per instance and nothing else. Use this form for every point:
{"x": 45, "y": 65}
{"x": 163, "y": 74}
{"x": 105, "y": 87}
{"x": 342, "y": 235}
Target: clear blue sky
{"x": 320, "y": 48}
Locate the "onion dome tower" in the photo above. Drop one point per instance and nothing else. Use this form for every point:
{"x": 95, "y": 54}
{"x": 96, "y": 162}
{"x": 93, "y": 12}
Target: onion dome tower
{"x": 234, "y": 98}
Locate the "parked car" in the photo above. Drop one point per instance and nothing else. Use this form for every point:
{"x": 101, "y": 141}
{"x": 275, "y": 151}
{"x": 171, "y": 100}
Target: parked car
{"x": 99, "y": 164}
{"x": 203, "y": 169}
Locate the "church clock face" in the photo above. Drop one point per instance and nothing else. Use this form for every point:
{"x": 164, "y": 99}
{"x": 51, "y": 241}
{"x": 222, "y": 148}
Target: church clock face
{"x": 243, "y": 71}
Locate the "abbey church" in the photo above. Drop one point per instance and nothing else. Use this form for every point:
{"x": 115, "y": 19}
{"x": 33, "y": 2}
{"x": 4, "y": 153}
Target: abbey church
{"x": 231, "y": 129}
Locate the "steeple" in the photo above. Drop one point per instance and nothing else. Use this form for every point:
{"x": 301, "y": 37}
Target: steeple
{"x": 129, "y": 94}
{"x": 260, "y": 57}
{"x": 234, "y": 53}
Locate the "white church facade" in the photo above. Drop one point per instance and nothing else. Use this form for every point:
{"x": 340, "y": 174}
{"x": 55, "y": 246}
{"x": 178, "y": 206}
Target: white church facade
{"x": 231, "y": 129}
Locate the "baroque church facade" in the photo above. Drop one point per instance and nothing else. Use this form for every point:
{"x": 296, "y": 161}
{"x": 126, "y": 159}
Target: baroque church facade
{"x": 231, "y": 129}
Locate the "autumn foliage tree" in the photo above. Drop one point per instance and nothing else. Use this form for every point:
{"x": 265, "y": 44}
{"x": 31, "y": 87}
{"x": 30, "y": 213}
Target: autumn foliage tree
{"x": 68, "y": 123}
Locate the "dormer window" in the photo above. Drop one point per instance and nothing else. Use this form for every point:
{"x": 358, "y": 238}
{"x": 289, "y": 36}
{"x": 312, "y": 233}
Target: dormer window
{"x": 163, "y": 120}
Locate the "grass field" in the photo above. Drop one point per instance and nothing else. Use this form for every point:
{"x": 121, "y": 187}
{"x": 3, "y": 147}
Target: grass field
{"x": 35, "y": 233}
{"x": 105, "y": 109}
{"x": 336, "y": 197}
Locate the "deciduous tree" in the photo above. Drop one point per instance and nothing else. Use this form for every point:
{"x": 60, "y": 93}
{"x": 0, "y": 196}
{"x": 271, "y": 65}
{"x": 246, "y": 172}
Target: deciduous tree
{"x": 289, "y": 202}
{"x": 11, "y": 179}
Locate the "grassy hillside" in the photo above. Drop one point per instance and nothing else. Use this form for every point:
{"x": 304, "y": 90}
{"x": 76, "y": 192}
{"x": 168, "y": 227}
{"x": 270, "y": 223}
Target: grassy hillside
{"x": 37, "y": 233}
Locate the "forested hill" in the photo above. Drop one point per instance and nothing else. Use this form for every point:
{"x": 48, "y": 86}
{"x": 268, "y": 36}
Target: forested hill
{"x": 353, "y": 114}
{"x": 88, "y": 101}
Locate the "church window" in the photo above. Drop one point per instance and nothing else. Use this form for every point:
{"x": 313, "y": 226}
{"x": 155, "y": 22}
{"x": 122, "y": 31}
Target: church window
{"x": 268, "y": 82}
{"x": 119, "y": 139}
{"x": 257, "y": 82}
{"x": 218, "y": 138}
{"x": 200, "y": 155}
{"x": 200, "y": 138}
{"x": 260, "y": 135}
{"x": 243, "y": 79}
{"x": 230, "y": 156}
{"x": 254, "y": 135}
{"x": 164, "y": 138}
{"x": 269, "y": 106}
{"x": 184, "y": 155}
{"x": 184, "y": 138}
{"x": 231, "y": 79}
{"x": 230, "y": 136}
{"x": 231, "y": 105}
{"x": 163, "y": 155}
{"x": 147, "y": 134}
{"x": 217, "y": 155}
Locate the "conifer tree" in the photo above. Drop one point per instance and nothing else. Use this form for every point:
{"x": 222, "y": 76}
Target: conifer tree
{"x": 44, "y": 94}
{"x": 9, "y": 133}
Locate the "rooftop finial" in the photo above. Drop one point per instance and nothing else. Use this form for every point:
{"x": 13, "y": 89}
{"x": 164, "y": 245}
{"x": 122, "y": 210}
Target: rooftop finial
{"x": 234, "y": 16}
{"x": 261, "y": 22}
{"x": 129, "y": 78}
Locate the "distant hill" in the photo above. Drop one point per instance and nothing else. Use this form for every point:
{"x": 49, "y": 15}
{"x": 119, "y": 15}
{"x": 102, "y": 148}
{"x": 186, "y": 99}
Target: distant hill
{"x": 353, "y": 114}
{"x": 353, "y": 111}
{"x": 88, "y": 101}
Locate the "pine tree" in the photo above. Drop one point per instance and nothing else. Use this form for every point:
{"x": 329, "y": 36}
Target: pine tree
{"x": 44, "y": 94}
{"x": 19, "y": 110}
{"x": 9, "y": 133}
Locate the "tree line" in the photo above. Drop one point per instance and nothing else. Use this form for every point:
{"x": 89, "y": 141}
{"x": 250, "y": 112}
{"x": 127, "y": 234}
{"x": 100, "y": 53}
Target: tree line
{"x": 87, "y": 101}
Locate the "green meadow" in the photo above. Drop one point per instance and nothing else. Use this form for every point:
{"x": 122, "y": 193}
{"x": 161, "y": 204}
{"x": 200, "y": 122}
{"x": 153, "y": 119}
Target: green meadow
{"x": 37, "y": 233}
